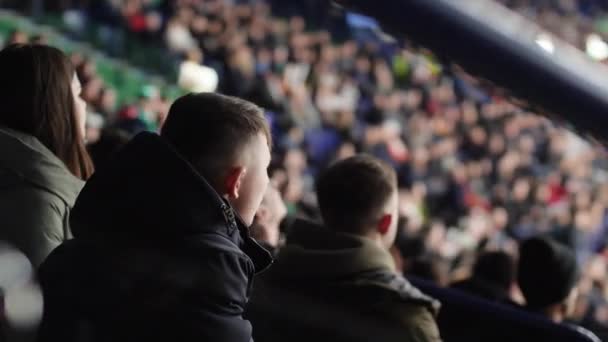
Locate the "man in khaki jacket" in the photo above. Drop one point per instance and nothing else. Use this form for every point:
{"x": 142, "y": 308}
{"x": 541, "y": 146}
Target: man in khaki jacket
{"x": 338, "y": 282}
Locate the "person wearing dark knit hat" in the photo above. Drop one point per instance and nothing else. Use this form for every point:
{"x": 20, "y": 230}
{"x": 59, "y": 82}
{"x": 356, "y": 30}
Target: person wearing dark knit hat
{"x": 548, "y": 276}
{"x": 492, "y": 279}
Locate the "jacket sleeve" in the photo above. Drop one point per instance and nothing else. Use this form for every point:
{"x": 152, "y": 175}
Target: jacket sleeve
{"x": 220, "y": 295}
{"x": 37, "y": 222}
{"x": 420, "y": 324}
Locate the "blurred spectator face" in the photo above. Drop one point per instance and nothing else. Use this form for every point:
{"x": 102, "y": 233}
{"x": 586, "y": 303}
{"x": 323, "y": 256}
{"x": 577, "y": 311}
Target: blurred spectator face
{"x": 195, "y": 55}
{"x": 108, "y": 100}
{"x": 264, "y": 60}
{"x": 500, "y": 218}
{"x": 497, "y": 144}
{"x": 436, "y": 236}
{"x": 199, "y": 25}
{"x": 280, "y": 55}
{"x": 521, "y": 189}
{"x": 80, "y": 106}
{"x": 94, "y": 125}
{"x": 441, "y": 126}
{"x": 570, "y": 303}
{"x": 582, "y": 200}
{"x": 87, "y": 70}
{"x": 154, "y": 21}
{"x": 508, "y": 164}
{"x": 582, "y": 221}
{"x": 558, "y": 145}
{"x": 346, "y": 150}
{"x": 131, "y": 7}
{"x": 297, "y": 24}
{"x": 17, "y": 37}
{"x": 512, "y": 128}
{"x": 459, "y": 174}
{"x": 242, "y": 59}
{"x": 163, "y": 110}
{"x": 421, "y": 74}
{"x": 77, "y": 59}
{"x": 269, "y": 216}
{"x": 446, "y": 93}
{"x": 420, "y": 158}
{"x": 564, "y": 218}
{"x": 384, "y": 76}
{"x": 186, "y": 15}
{"x": 478, "y": 136}
{"x": 92, "y": 90}
{"x": 475, "y": 170}
{"x": 413, "y": 99}
{"x": 295, "y": 161}
{"x": 469, "y": 111}
{"x": 543, "y": 193}
{"x": 363, "y": 65}
{"x": 328, "y": 54}
{"x": 527, "y": 144}
{"x": 418, "y": 192}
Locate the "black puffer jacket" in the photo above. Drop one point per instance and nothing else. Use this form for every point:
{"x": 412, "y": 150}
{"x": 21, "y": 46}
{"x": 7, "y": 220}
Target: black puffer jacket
{"x": 158, "y": 255}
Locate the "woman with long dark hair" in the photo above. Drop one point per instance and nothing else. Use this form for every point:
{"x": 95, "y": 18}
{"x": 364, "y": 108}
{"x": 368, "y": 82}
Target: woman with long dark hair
{"x": 43, "y": 159}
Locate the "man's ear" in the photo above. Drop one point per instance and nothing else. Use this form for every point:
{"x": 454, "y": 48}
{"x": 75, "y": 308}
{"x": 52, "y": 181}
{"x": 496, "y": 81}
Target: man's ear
{"x": 233, "y": 182}
{"x": 385, "y": 224}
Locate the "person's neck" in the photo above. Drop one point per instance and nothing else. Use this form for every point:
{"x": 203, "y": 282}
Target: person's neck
{"x": 377, "y": 238}
{"x": 555, "y": 314}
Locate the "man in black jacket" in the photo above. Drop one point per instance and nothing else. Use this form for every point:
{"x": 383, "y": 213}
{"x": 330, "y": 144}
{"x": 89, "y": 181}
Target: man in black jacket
{"x": 161, "y": 248}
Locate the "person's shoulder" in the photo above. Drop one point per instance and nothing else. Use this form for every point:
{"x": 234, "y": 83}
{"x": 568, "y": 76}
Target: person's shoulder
{"x": 411, "y": 311}
{"x": 22, "y": 195}
{"x": 30, "y": 165}
{"x": 395, "y": 289}
{"x": 586, "y": 334}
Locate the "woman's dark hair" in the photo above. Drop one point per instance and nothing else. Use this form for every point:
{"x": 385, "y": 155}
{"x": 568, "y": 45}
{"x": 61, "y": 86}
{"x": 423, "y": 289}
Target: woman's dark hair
{"x": 36, "y": 97}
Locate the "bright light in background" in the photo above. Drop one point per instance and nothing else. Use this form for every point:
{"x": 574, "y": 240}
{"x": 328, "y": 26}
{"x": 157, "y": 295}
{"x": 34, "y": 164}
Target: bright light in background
{"x": 23, "y": 302}
{"x": 544, "y": 41}
{"x": 596, "y": 47}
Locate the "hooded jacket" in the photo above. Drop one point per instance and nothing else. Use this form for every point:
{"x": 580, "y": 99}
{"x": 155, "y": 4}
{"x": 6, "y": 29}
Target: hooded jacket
{"x": 329, "y": 286}
{"x": 157, "y": 255}
{"x": 37, "y": 192}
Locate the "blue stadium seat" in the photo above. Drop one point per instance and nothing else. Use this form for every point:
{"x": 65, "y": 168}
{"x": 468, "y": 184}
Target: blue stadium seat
{"x": 467, "y": 318}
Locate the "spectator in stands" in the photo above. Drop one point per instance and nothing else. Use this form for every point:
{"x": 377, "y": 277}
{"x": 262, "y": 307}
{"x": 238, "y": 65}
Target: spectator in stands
{"x": 43, "y": 160}
{"x": 343, "y": 273}
{"x": 493, "y": 277}
{"x": 105, "y": 149}
{"x": 266, "y": 225}
{"x": 39, "y": 39}
{"x": 195, "y": 77}
{"x": 548, "y": 275}
{"x": 17, "y": 37}
{"x": 161, "y": 249}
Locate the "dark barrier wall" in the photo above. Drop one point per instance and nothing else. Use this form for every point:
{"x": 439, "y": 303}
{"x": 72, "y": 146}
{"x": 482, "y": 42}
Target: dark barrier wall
{"x": 564, "y": 84}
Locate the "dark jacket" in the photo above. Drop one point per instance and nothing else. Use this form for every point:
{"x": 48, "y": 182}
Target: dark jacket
{"x": 157, "y": 255}
{"x": 327, "y": 286}
{"x": 485, "y": 289}
{"x": 465, "y": 317}
{"x": 37, "y": 192}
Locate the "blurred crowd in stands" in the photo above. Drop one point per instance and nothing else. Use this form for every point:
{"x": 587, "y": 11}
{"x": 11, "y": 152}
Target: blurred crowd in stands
{"x": 571, "y": 20}
{"x": 476, "y": 173}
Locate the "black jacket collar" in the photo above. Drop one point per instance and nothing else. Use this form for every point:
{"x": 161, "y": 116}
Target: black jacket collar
{"x": 150, "y": 193}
